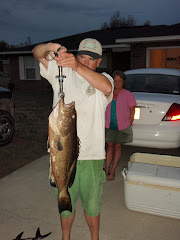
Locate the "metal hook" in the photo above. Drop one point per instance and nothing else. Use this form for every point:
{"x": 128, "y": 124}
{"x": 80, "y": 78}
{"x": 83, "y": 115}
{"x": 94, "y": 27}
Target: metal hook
{"x": 60, "y": 77}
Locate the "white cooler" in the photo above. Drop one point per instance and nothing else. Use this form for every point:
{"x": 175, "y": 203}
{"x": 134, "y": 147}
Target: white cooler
{"x": 152, "y": 184}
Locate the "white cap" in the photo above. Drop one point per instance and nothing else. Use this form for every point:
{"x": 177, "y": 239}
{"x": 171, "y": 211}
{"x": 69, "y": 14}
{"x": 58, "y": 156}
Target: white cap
{"x": 91, "y": 47}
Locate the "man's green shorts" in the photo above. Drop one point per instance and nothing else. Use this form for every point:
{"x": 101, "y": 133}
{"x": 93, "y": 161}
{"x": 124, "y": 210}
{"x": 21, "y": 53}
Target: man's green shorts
{"x": 88, "y": 184}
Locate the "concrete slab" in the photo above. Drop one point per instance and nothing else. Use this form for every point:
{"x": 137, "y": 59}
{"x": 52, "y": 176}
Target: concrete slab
{"x": 27, "y": 202}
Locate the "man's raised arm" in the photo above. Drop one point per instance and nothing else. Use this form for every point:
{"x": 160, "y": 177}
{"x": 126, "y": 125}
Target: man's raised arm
{"x": 40, "y": 50}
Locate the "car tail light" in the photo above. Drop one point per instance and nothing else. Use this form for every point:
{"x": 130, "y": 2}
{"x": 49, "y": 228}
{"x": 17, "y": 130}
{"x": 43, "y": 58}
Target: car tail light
{"x": 173, "y": 114}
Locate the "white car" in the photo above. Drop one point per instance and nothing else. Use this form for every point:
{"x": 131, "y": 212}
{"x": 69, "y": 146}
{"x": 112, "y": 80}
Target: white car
{"x": 157, "y": 115}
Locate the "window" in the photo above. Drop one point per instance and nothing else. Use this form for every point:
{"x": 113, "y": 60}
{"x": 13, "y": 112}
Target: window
{"x": 154, "y": 83}
{"x": 29, "y": 68}
{"x": 30, "y": 73}
{"x": 164, "y": 58}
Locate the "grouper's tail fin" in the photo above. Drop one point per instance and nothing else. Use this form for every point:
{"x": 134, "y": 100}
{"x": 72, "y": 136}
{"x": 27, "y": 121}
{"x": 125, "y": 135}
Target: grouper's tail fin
{"x": 64, "y": 201}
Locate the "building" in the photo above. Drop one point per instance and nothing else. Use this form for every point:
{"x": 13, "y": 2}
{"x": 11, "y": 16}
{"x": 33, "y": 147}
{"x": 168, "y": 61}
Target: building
{"x": 123, "y": 48}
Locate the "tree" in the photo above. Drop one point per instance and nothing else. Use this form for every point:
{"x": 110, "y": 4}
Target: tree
{"x": 3, "y": 45}
{"x": 117, "y": 21}
{"x": 27, "y": 43}
{"x": 147, "y": 23}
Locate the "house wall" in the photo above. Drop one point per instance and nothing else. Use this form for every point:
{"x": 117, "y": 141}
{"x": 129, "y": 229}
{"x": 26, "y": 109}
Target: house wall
{"x": 137, "y": 59}
{"x": 25, "y": 84}
{"x": 109, "y": 61}
{"x": 138, "y": 56}
{"x": 6, "y": 68}
{"x": 43, "y": 83}
{"x": 1, "y": 66}
{"x": 116, "y": 60}
{"x": 108, "y": 68}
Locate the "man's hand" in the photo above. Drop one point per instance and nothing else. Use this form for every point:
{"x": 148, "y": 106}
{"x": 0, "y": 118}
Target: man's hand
{"x": 55, "y": 50}
{"x": 41, "y": 52}
{"x": 65, "y": 59}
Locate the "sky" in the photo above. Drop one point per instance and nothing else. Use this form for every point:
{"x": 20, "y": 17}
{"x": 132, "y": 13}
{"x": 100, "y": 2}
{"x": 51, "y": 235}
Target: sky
{"x": 45, "y": 20}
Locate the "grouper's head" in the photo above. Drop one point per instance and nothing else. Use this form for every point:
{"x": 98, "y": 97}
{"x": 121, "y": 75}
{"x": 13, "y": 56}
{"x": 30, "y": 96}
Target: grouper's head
{"x": 62, "y": 118}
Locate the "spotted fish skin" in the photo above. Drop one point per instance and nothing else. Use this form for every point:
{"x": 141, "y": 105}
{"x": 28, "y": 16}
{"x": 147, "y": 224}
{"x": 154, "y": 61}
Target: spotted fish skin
{"x": 63, "y": 143}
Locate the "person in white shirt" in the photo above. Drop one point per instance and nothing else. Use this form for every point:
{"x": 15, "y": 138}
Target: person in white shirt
{"x": 91, "y": 92}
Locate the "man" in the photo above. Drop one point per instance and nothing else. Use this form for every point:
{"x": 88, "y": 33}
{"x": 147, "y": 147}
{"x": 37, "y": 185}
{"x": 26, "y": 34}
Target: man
{"x": 91, "y": 92}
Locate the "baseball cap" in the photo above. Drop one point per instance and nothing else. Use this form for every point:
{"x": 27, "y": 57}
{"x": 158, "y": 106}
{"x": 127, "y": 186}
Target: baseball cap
{"x": 90, "y": 47}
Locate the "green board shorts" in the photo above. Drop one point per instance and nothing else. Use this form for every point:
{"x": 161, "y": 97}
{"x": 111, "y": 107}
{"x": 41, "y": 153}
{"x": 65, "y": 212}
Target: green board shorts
{"x": 88, "y": 184}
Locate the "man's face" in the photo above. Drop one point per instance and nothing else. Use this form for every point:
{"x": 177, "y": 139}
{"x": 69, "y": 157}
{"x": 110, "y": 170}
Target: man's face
{"x": 89, "y": 61}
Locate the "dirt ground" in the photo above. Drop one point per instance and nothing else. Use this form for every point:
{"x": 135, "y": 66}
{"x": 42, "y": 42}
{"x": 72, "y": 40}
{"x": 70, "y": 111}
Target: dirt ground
{"x": 29, "y": 142}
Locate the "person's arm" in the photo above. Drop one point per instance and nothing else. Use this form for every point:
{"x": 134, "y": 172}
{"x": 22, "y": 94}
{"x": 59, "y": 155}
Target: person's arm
{"x": 40, "y": 50}
{"x": 132, "y": 111}
{"x": 97, "y": 80}
{"x": 65, "y": 59}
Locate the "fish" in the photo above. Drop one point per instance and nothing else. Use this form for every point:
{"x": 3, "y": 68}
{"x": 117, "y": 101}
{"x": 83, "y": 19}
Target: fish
{"x": 37, "y": 237}
{"x": 64, "y": 149}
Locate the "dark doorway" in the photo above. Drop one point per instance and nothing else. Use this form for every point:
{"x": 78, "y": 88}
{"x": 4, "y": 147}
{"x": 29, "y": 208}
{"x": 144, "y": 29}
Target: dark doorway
{"x": 121, "y": 61}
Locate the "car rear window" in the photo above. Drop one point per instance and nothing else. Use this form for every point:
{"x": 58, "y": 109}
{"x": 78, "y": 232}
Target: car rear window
{"x": 157, "y": 83}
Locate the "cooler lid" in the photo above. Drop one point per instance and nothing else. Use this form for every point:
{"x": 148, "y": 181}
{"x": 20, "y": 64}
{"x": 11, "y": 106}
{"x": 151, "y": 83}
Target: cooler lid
{"x": 143, "y": 173}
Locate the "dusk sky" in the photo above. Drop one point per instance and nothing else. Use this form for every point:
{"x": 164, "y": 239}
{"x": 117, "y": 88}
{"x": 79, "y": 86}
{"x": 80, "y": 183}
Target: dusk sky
{"x": 44, "y": 20}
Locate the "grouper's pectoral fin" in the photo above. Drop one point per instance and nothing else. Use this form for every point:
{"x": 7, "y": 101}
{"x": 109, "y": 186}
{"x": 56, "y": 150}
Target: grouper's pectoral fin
{"x": 72, "y": 171}
{"x": 73, "y": 174}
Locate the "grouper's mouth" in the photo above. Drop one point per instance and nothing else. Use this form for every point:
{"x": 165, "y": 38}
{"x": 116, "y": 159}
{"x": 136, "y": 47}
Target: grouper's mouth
{"x": 68, "y": 107}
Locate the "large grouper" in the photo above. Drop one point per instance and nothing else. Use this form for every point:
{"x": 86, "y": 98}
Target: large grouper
{"x": 64, "y": 148}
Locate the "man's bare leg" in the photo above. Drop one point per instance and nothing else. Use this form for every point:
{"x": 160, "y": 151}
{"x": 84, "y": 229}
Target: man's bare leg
{"x": 93, "y": 223}
{"x": 66, "y": 225}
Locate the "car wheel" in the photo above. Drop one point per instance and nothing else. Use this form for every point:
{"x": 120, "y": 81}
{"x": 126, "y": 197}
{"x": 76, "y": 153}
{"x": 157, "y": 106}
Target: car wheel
{"x": 6, "y": 128}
